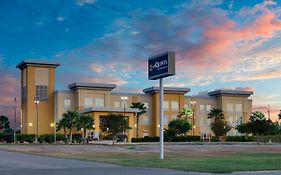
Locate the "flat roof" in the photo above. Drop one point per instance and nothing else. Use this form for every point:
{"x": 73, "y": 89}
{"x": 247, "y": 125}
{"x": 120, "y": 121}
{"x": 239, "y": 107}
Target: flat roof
{"x": 222, "y": 92}
{"x": 155, "y": 89}
{"x": 96, "y": 86}
{"x": 109, "y": 109}
{"x": 38, "y": 63}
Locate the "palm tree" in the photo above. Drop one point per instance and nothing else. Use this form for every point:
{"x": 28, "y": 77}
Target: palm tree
{"x": 185, "y": 113}
{"x": 142, "y": 110}
{"x": 216, "y": 114}
{"x": 84, "y": 121}
{"x": 69, "y": 121}
{"x": 62, "y": 124}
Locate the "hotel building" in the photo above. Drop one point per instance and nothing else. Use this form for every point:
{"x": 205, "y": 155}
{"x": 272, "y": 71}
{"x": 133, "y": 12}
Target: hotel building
{"x": 38, "y": 81}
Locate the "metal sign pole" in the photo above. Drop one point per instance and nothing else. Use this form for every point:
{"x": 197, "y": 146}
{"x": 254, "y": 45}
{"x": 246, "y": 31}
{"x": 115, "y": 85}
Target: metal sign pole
{"x": 161, "y": 120}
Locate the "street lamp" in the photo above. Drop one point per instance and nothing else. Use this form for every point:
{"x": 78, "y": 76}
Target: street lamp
{"x": 193, "y": 103}
{"x": 15, "y": 121}
{"x": 36, "y": 102}
{"x": 124, "y": 98}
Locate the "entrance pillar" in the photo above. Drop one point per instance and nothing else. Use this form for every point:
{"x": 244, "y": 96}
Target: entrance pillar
{"x": 131, "y": 131}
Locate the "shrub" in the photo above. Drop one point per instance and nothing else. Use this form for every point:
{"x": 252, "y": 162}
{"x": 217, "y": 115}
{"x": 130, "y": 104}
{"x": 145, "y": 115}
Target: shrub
{"x": 272, "y": 138}
{"x": 145, "y": 139}
{"x": 25, "y": 138}
{"x": 215, "y": 139}
{"x": 77, "y": 138}
{"x": 2, "y": 135}
{"x": 175, "y": 139}
{"x": 239, "y": 139}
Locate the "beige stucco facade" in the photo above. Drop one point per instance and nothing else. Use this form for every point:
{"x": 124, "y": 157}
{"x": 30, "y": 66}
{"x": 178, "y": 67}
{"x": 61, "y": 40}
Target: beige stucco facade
{"x": 101, "y": 99}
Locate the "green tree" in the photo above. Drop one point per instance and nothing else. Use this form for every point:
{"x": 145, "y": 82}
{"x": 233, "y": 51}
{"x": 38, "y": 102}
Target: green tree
{"x": 258, "y": 125}
{"x": 69, "y": 121}
{"x": 116, "y": 124}
{"x": 220, "y": 127}
{"x": 279, "y": 115}
{"x": 181, "y": 126}
{"x": 4, "y": 123}
{"x": 84, "y": 121}
{"x": 185, "y": 113}
{"x": 62, "y": 124}
{"x": 243, "y": 128}
{"x": 142, "y": 110}
{"x": 216, "y": 114}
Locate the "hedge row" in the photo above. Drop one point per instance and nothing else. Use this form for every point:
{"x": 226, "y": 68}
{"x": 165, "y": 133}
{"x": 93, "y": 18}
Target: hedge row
{"x": 239, "y": 139}
{"x": 175, "y": 139}
{"x": 269, "y": 138}
{"x": 30, "y": 138}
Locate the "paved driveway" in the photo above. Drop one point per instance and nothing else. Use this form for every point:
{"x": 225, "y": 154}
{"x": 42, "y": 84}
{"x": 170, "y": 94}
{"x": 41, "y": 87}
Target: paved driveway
{"x": 22, "y": 164}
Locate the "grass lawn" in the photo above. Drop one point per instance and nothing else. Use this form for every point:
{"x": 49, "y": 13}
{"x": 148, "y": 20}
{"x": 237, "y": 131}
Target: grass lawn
{"x": 231, "y": 159}
{"x": 215, "y": 164}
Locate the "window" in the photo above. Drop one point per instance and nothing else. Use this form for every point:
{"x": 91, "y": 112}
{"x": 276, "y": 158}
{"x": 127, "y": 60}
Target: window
{"x": 238, "y": 107}
{"x": 202, "y": 108}
{"x": 175, "y": 105}
{"x": 42, "y": 92}
{"x": 166, "y": 105}
{"x": 124, "y": 103}
{"x": 67, "y": 104}
{"x": 99, "y": 102}
{"x": 88, "y": 102}
{"x": 116, "y": 104}
{"x": 229, "y": 107}
{"x": 24, "y": 93}
{"x": 208, "y": 108}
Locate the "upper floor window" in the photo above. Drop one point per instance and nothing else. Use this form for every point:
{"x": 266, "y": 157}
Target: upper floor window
{"x": 42, "y": 92}
{"x": 88, "y": 102}
{"x": 99, "y": 102}
{"x": 208, "y": 108}
{"x": 202, "y": 108}
{"x": 238, "y": 107}
{"x": 175, "y": 105}
{"x": 166, "y": 105}
{"x": 67, "y": 104}
{"x": 229, "y": 107}
{"x": 24, "y": 93}
{"x": 117, "y": 104}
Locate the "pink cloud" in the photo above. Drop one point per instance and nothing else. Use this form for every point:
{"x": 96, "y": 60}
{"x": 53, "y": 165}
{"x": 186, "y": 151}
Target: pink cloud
{"x": 261, "y": 76}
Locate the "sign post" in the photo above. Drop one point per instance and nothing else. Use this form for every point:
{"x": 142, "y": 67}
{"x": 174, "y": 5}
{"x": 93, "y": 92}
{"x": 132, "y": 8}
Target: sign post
{"x": 159, "y": 67}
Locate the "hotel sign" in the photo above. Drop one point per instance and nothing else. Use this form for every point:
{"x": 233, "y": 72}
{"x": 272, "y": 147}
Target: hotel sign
{"x": 161, "y": 66}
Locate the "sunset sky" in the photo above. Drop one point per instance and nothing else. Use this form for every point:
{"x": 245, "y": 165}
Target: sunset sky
{"x": 232, "y": 44}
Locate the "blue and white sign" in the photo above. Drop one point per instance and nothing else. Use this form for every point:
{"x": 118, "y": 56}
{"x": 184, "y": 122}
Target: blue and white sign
{"x": 162, "y": 65}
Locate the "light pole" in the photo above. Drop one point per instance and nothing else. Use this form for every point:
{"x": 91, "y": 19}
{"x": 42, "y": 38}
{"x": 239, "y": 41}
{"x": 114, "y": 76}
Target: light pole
{"x": 193, "y": 103}
{"x": 15, "y": 121}
{"x": 36, "y": 102}
{"x": 124, "y": 98}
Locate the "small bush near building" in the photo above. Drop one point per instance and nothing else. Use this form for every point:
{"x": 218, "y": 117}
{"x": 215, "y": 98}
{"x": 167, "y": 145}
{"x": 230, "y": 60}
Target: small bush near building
{"x": 77, "y": 138}
{"x": 215, "y": 139}
{"x": 269, "y": 138}
{"x": 145, "y": 139}
{"x": 239, "y": 139}
{"x": 175, "y": 139}
{"x": 25, "y": 138}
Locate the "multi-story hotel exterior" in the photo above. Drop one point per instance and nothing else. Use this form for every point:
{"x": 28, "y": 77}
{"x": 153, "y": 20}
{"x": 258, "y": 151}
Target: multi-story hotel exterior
{"x": 38, "y": 81}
